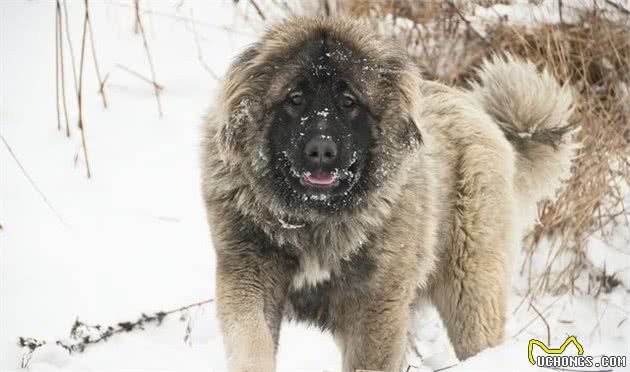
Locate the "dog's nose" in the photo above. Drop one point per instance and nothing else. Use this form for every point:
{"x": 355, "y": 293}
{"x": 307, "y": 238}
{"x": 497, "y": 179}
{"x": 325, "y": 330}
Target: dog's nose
{"x": 320, "y": 151}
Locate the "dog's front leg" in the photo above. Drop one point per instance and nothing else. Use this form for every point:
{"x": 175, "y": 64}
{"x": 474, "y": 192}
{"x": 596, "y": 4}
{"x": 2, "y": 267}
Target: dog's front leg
{"x": 249, "y": 306}
{"x": 374, "y": 336}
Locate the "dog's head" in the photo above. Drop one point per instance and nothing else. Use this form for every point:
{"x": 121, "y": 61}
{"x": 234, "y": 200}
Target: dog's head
{"x": 319, "y": 114}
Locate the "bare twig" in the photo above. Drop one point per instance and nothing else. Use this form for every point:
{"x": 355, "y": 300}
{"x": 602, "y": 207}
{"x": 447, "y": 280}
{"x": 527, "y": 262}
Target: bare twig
{"x": 57, "y": 66}
{"x": 619, "y": 7}
{"x": 101, "y": 82}
{"x": 284, "y": 6}
{"x": 140, "y": 27}
{"x": 466, "y": 21}
{"x": 447, "y": 367}
{"x": 62, "y": 68}
{"x": 83, "y": 335}
{"x": 80, "y": 92}
{"x": 104, "y": 82}
{"x": 31, "y": 181}
{"x": 74, "y": 68}
{"x": 258, "y": 10}
{"x": 139, "y": 76}
{"x": 199, "y": 51}
{"x": 153, "y": 12}
{"x": 534, "y": 319}
{"x": 544, "y": 321}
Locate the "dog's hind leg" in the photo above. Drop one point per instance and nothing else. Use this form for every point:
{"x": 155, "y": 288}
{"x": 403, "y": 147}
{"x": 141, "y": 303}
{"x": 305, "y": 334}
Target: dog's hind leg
{"x": 471, "y": 283}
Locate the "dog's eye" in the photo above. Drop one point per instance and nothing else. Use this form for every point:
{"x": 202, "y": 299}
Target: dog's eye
{"x": 296, "y": 98}
{"x": 348, "y": 101}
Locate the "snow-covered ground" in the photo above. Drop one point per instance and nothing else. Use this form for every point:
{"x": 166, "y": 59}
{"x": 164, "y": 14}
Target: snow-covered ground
{"x": 133, "y": 238}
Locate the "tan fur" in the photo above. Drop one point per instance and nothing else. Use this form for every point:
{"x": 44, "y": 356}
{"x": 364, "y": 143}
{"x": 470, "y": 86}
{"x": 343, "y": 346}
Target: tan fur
{"x": 439, "y": 223}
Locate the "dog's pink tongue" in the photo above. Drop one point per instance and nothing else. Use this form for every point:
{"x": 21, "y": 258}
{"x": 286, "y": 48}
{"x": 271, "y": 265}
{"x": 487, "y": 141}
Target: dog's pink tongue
{"x": 320, "y": 178}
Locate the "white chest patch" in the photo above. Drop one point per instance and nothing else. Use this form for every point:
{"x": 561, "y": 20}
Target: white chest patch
{"x": 311, "y": 273}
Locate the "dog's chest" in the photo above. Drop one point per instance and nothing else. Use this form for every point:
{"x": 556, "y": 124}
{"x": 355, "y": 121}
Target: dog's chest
{"x": 318, "y": 250}
{"x": 317, "y": 289}
{"x": 310, "y": 273}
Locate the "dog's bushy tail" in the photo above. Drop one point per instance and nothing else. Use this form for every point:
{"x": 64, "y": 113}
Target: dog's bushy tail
{"x": 532, "y": 109}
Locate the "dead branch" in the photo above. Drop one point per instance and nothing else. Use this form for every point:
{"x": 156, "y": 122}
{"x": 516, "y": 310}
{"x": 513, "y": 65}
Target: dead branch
{"x": 466, "y": 21}
{"x": 140, "y": 27}
{"x": 619, "y": 7}
{"x": 447, "y": 367}
{"x": 177, "y": 17}
{"x": 139, "y": 76}
{"x": 544, "y": 321}
{"x": 74, "y": 68}
{"x": 199, "y": 51}
{"x": 534, "y": 319}
{"x": 258, "y": 10}
{"x": 102, "y": 86}
{"x": 83, "y": 335}
{"x": 57, "y": 66}
{"x": 80, "y": 92}
{"x": 101, "y": 82}
{"x": 31, "y": 181}
{"x": 62, "y": 68}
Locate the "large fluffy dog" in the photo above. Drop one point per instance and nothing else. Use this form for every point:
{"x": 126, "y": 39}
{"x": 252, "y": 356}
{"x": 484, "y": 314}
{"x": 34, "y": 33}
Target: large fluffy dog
{"x": 343, "y": 190}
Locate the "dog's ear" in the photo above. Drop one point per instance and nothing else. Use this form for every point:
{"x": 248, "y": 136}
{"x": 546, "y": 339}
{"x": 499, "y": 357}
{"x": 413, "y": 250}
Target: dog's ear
{"x": 239, "y": 116}
{"x": 411, "y": 134}
{"x": 239, "y": 103}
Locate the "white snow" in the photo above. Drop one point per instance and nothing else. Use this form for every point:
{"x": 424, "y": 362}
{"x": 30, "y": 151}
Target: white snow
{"x": 323, "y": 113}
{"x": 134, "y": 238}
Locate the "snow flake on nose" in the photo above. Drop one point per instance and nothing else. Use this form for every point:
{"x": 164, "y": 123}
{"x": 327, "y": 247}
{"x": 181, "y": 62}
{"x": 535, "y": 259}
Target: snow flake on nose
{"x": 323, "y": 113}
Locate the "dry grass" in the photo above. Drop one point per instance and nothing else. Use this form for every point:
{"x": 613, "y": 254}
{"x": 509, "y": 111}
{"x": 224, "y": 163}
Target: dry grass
{"x": 592, "y": 55}
{"x": 590, "y": 50}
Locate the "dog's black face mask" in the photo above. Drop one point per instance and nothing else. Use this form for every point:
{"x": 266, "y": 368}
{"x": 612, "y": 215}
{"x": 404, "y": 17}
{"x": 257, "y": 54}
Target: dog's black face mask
{"x": 320, "y": 138}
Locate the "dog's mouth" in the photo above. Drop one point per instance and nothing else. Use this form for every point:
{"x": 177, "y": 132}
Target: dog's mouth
{"x": 320, "y": 184}
{"x": 329, "y": 180}
{"x": 319, "y": 179}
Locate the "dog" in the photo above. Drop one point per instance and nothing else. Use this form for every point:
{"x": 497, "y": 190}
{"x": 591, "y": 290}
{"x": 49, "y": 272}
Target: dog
{"x": 343, "y": 190}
